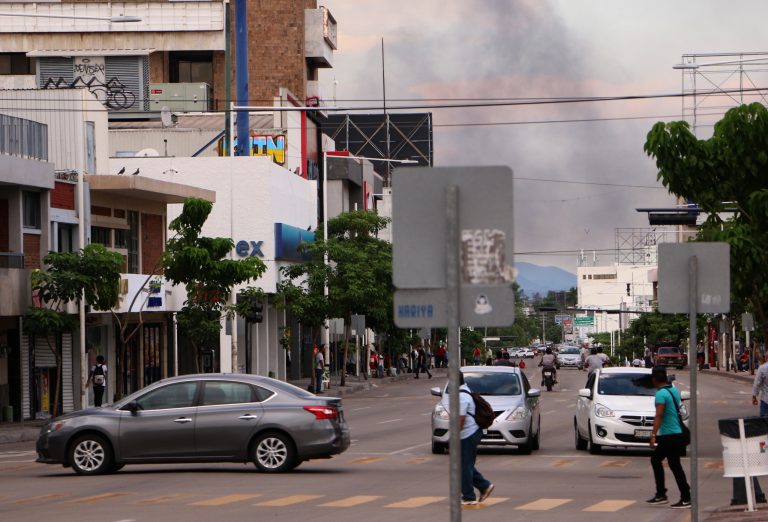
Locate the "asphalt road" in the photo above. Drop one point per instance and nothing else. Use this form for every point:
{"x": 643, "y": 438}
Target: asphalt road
{"x": 388, "y": 473}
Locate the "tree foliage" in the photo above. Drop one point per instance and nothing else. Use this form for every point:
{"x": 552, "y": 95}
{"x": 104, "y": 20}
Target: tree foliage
{"x": 727, "y": 170}
{"x": 200, "y": 263}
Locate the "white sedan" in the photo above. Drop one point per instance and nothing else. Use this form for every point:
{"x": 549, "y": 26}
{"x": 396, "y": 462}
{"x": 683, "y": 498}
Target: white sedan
{"x": 617, "y": 409}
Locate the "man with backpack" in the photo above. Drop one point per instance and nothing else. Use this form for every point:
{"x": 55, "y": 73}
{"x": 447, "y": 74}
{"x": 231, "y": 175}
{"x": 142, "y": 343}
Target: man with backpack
{"x": 470, "y": 435}
{"x": 98, "y": 378}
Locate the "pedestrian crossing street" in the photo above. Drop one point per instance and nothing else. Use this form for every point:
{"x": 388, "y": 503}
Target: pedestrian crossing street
{"x": 318, "y": 500}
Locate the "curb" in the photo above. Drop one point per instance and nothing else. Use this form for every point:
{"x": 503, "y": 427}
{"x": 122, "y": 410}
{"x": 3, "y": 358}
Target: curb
{"x": 371, "y": 383}
{"x": 12, "y": 436}
{"x": 738, "y": 376}
{"x": 738, "y": 514}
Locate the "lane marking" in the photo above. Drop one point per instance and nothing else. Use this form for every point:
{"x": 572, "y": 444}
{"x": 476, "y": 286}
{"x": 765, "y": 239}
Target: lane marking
{"x": 388, "y": 421}
{"x": 609, "y": 506}
{"x": 548, "y": 412}
{"x": 352, "y": 501}
{"x": 17, "y": 468}
{"x": 226, "y": 499}
{"x": 563, "y": 463}
{"x": 614, "y": 464}
{"x": 419, "y": 460}
{"x": 288, "y": 501}
{"x": 415, "y": 502}
{"x": 544, "y": 504}
{"x": 94, "y": 498}
{"x": 40, "y": 498}
{"x": 362, "y": 408}
{"x": 487, "y": 503}
{"x": 163, "y": 498}
{"x": 366, "y": 460}
{"x": 406, "y": 450}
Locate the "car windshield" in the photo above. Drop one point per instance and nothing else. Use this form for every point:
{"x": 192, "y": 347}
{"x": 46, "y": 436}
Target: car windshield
{"x": 626, "y": 384}
{"x": 671, "y": 350}
{"x": 493, "y": 383}
{"x": 569, "y": 350}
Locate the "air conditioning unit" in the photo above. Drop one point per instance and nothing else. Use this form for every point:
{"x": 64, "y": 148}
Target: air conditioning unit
{"x": 181, "y": 97}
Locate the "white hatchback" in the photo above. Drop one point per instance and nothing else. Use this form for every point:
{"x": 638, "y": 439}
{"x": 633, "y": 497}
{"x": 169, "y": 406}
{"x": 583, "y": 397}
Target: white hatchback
{"x": 617, "y": 409}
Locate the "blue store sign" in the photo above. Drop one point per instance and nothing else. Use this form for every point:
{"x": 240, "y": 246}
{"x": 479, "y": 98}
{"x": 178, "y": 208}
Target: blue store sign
{"x": 287, "y": 241}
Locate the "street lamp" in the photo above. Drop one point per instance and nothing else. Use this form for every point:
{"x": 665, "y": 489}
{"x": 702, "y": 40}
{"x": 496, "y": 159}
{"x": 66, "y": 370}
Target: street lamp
{"x": 326, "y": 153}
{"x": 115, "y": 19}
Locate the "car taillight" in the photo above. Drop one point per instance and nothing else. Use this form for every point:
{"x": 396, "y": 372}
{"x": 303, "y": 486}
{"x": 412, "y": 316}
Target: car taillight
{"x": 323, "y": 412}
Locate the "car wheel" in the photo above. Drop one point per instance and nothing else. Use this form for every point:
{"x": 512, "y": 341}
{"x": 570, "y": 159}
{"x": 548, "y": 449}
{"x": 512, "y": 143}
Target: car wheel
{"x": 594, "y": 449}
{"x": 274, "y": 453}
{"x": 438, "y": 448}
{"x": 581, "y": 442}
{"x": 90, "y": 455}
{"x": 536, "y": 441}
{"x": 116, "y": 467}
{"x": 527, "y": 447}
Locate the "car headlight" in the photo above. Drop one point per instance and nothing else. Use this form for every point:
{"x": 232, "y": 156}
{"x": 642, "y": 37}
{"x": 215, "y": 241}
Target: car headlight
{"x": 440, "y": 412}
{"x": 55, "y": 426}
{"x": 602, "y": 411}
{"x": 519, "y": 413}
{"x": 684, "y": 412}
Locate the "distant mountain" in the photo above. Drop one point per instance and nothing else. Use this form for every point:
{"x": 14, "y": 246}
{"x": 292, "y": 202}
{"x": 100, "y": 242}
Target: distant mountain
{"x": 534, "y": 278}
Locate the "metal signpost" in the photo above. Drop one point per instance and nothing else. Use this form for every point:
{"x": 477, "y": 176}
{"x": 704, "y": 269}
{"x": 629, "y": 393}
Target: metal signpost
{"x": 452, "y": 264}
{"x": 748, "y": 324}
{"x": 694, "y": 278}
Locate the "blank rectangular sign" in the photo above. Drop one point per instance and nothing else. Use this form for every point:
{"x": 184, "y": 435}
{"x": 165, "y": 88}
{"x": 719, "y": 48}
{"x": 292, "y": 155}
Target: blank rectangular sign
{"x": 714, "y": 277}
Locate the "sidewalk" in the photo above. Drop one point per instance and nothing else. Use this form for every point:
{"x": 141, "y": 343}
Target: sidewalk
{"x": 742, "y": 376}
{"x": 739, "y": 514}
{"x": 12, "y": 432}
{"x": 355, "y": 384}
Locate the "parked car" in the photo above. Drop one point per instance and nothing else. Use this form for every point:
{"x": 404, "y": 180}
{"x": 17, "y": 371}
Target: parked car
{"x": 200, "y": 418}
{"x": 617, "y": 409}
{"x": 569, "y": 356}
{"x": 528, "y": 353}
{"x": 514, "y": 402}
{"x": 670, "y": 356}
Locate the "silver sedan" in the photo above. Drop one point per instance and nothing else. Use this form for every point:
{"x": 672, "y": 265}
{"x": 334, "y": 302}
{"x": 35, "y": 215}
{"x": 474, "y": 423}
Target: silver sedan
{"x": 514, "y": 402}
{"x": 200, "y": 418}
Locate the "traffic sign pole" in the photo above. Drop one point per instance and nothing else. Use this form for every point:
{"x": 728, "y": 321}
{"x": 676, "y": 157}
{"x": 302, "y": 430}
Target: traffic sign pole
{"x": 693, "y": 269}
{"x": 454, "y": 350}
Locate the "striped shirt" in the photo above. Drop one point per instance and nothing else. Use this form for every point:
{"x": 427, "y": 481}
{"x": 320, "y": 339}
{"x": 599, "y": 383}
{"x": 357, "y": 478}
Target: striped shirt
{"x": 760, "y": 387}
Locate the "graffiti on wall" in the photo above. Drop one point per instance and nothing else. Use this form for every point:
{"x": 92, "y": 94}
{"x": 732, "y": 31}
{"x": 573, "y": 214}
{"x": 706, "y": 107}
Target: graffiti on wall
{"x": 273, "y": 146}
{"x": 112, "y": 93}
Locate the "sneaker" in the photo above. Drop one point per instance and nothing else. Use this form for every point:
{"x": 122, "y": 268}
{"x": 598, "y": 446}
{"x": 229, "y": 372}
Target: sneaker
{"x": 658, "y": 499}
{"x": 682, "y": 504}
{"x": 469, "y": 502}
{"x": 487, "y": 493}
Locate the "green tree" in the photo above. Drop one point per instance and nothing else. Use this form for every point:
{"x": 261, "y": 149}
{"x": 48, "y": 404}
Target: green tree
{"x": 200, "y": 264}
{"x": 726, "y": 170}
{"x": 358, "y": 276}
{"x": 92, "y": 273}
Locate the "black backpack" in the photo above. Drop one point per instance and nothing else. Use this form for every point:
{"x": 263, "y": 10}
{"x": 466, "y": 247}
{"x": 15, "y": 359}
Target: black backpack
{"x": 484, "y": 415}
{"x": 98, "y": 375}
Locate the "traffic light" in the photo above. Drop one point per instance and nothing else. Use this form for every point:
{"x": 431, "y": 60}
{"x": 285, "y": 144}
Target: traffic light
{"x": 628, "y": 289}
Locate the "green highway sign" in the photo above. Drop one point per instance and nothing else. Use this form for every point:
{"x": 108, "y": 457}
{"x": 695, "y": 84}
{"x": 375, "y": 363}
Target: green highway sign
{"x": 583, "y": 321}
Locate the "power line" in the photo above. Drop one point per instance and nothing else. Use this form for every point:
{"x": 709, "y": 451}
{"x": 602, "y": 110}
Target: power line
{"x": 598, "y": 183}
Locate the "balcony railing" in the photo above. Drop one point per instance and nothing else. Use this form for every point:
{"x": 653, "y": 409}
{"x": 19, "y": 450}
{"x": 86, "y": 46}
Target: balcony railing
{"x": 11, "y": 260}
{"x": 20, "y": 137}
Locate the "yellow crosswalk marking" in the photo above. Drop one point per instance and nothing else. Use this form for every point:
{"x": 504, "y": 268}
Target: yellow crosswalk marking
{"x": 614, "y": 464}
{"x": 366, "y": 460}
{"x": 94, "y": 498}
{"x": 563, "y": 463}
{"x": 544, "y": 504}
{"x": 415, "y": 502}
{"x": 39, "y": 498}
{"x": 352, "y": 501}
{"x": 713, "y": 465}
{"x": 163, "y": 498}
{"x": 19, "y": 467}
{"x": 487, "y": 503}
{"x": 288, "y": 501}
{"x": 607, "y": 506}
{"x": 419, "y": 460}
{"x": 226, "y": 499}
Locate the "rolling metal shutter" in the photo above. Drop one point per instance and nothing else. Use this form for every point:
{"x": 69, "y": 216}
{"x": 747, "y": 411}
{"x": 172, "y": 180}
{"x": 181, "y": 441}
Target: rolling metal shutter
{"x": 54, "y": 68}
{"x": 68, "y": 384}
{"x": 132, "y": 73}
{"x": 25, "y": 387}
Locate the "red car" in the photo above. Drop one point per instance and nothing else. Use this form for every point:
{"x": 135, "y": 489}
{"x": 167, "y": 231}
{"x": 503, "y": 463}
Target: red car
{"x": 670, "y": 356}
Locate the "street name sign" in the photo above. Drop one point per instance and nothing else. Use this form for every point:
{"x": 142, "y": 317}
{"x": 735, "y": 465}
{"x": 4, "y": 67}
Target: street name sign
{"x": 587, "y": 320}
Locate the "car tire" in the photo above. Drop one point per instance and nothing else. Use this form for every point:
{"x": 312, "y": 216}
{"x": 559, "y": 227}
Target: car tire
{"x": 594, "y": 449}
{"x": 438, "y": 448}
{"x": 116, "y": 467}
{"x": 581, "y": 442}
{"x": 274, "y": 452}
{"x": 91, "y": 454}
{"x": 536, "y": 443}
{"x": 527, "y": 447}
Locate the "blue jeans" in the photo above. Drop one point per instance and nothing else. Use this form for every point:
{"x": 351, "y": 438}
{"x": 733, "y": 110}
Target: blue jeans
{"x": 763, "y": 408}
{"x": 318, "y": 380}
{"x": 470, "y": 477}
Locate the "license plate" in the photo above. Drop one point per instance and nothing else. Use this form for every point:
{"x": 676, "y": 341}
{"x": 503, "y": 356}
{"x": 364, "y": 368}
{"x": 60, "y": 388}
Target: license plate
{"x": 643, "y": 434}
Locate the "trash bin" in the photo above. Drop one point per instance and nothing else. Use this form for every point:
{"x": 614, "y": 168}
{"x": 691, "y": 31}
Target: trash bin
{"x": 755, "y": 447}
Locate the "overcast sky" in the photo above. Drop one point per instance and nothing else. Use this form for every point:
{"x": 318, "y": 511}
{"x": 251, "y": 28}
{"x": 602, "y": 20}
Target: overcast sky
{"x": 543, "y": 48}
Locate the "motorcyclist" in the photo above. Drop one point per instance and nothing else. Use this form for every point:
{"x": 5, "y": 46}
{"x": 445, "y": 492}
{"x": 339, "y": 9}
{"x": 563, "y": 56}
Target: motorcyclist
{"x": 549, "y": 362}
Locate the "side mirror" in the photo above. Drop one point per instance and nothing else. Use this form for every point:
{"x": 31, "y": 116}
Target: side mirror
{"x": 534, "y": 392}
{"x": 133, "y": 407}
{"x": 436, "y": 391}
{"x": 685, "y": 395}
{"x": 586, "y": 393}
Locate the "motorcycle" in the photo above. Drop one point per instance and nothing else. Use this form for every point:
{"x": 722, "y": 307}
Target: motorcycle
{"x": 549, "y": 379}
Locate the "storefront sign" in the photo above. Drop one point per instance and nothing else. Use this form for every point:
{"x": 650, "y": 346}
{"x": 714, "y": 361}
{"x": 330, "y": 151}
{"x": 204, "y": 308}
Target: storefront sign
{"x": 274, "y": 146}
{"x": 249, "y": 248}
{"x": 287, "y": 241}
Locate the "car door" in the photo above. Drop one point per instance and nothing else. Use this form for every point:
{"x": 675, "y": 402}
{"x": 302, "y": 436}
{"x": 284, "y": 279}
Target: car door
{"x": 227, "y": 418}
{"x": 584, "y": 405}
{"x": 163, "y": 427}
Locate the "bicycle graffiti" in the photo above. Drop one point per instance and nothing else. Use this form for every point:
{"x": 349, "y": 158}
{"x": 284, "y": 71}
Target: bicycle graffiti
{"x": 112, "y": 93}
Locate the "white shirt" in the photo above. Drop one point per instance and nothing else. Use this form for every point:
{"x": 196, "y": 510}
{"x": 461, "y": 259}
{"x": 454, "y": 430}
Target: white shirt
{"x": 466, "y": 410}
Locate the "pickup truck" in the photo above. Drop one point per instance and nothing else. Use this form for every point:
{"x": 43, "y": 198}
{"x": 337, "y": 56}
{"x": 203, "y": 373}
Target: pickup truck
{"x": 670, "y": 356}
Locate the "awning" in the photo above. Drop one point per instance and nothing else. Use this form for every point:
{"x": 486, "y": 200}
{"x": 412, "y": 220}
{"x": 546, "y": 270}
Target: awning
{"x": 140, "y": 187}
{"x": 38, "y": 53}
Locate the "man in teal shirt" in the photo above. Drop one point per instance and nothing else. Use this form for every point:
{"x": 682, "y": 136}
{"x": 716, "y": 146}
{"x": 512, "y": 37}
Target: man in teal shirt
{"x": 667, "y": 440}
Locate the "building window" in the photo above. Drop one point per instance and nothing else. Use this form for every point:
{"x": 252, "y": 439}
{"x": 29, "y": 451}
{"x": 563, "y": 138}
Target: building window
{"x": 66, "y": 237}
{"x": 191, "y": 67}
{"x": 101, "y": 235}
{"x": 133, "y": 242}
{"x": 16, "y": 63}
{"x": 90, "y": 147}
{"x": 121, "y": 240}
{"x": 32, "y": 210}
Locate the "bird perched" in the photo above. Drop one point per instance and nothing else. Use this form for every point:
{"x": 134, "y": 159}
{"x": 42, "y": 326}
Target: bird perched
{"x": 121, "y": 171}
{"x": 135, "y": 173}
